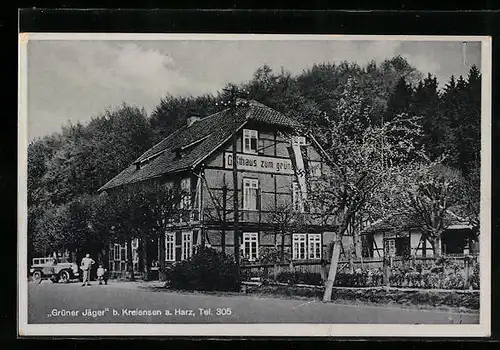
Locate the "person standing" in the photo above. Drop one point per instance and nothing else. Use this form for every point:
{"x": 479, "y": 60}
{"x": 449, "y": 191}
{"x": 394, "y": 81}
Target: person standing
{"x": 86, "y": 265}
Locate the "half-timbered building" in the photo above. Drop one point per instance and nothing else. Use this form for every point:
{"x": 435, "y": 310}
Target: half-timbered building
{"x": 275, "y": 163}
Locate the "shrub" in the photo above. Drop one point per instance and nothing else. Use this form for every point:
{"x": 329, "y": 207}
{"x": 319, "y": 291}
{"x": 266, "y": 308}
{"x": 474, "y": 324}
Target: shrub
{"x": 413, "y": 279}
{"x": 360, "y": 278}
{"x": 430, "y": 280}
{"x": 311, "y": 278}
{"x": 208, "y": 270}
{"x": 474, "y": 277}
{"x": 419, "y": 267}
{"x": 453, "y": 281}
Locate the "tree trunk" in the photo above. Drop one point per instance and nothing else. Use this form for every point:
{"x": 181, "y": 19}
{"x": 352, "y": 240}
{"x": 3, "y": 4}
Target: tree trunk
{"x": 333, "y": 269}
{"x": 130, "y": 260}
{"x": 106, "y": 256}
{"x": 73, "y": 257}
{"x": 223, "y": 239}
{"x": 162, "y": 274}
{"x": 282, "y": 248}
{"x": 437, "y": 245}
{"x": 386, "y": 271}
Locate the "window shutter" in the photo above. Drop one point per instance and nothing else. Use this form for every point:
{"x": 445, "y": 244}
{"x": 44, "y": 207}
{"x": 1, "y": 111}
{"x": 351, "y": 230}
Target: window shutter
{"x": 178, "y": 245}
{"x": 253, "y": 143}
{"x": 195, "y": 237}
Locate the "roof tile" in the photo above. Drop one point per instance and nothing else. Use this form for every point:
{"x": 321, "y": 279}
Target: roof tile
{"x": 216, "y": 129}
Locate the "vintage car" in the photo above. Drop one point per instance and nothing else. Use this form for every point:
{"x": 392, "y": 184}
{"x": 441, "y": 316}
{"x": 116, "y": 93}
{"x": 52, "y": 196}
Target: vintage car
{"x": 55, "y": 270}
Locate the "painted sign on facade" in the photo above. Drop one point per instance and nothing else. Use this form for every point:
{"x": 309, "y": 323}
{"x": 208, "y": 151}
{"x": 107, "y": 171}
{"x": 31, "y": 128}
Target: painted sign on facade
{"x": 252, "y": 162}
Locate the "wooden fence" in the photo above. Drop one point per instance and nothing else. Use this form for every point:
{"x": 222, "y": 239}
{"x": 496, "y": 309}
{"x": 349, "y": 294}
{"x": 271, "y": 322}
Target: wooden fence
{"x": 272, "y": 270}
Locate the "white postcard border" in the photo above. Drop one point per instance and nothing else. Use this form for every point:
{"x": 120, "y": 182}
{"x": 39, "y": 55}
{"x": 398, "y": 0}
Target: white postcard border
{"x": 483, "y": 329}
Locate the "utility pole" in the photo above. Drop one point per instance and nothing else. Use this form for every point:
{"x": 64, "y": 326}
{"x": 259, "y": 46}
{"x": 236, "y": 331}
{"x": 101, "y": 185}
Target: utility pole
{"x": 236, "y": 203}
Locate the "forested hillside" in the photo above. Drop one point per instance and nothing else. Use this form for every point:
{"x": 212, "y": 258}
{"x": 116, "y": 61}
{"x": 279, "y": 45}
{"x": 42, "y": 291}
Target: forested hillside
{"x": 66, "y": 169}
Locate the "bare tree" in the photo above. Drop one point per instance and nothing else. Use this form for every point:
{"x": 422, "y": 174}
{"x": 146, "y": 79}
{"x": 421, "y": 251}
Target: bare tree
{"x": 286, "y": 221}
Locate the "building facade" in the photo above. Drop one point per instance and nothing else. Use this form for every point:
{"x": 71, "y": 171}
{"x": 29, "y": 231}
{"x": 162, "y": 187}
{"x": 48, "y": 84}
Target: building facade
{"x": 382, "y": 240}
{"x": 275, "y": 165}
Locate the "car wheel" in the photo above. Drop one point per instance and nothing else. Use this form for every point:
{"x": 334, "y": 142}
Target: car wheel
{"x": 64, "y": 276}
{"x": 37, "y": 276}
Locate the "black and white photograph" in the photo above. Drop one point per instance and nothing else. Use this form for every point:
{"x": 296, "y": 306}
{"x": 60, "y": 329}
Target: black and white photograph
{"x": 287, "y": 185}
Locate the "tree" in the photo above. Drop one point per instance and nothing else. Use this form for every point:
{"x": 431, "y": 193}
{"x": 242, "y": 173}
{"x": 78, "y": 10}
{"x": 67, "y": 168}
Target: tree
{"x": 124, "y": 220}
{"x": 428, "y": 195}
{"x": 90, "y": 155}
{"x": 286, "y": 220}
{"x": 160, "y": 206}
{"x": 219, "y": 211}
{"x": 172, "y": 112}
{"x": 400, "y": 100}
{"x": 360, "y": 155}
{"x": 435, "y": 126}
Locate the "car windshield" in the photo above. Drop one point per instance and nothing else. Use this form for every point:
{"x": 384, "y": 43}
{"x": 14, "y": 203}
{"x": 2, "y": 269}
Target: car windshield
{"x": 42, "y": 261}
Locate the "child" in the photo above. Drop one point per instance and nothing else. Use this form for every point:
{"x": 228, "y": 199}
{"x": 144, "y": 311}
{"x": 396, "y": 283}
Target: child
{"x": 102, "y": 275}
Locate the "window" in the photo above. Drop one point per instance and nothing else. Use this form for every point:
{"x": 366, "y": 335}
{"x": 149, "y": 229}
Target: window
{"x": 251, "y": 245}
{"x": 250, "y": 193}
{"x": 314, "y": 244}
{"x": 123, "y": 252}
{"x": 250, "y": 141}
{"x": 135, "y": 243}
{"x": 170, "y": 246}
{"x": 298, "y": 141}
{"x": 390, "y": 247}
{"x": 297, "y": 203}
{"x": 187, "y": 244}
{"x": 299, "y": 246}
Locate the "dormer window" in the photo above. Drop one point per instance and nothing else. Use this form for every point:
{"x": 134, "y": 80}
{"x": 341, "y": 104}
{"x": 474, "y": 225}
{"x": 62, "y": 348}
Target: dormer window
{"x": 250, "y": 141}
{"x": 178, "y": 153}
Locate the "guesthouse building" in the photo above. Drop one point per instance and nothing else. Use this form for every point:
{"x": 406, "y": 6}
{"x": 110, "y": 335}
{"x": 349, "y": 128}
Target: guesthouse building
{"x": 276, "y": 162}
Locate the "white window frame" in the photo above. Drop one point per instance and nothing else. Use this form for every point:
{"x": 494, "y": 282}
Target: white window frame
{"x": 250, "y": 185}
{"x": 248, "y": 135}
{"x": 124, "y": 247}
{"x": 391, "y": 246}
{"x": 135, "y": 243}
{"x": 314, "y": 246}
{"x": 170, "y": 246}
{"x": 248, "y": 239}
{"x": 187, "y": 244}
{"x": 298, "y": 240}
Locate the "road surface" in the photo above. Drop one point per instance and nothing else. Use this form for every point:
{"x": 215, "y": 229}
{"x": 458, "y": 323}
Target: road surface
{"x": 127, "y": 302}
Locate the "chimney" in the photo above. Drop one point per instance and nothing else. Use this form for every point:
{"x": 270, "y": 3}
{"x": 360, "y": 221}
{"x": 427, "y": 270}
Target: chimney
{"x": 193, "y": 118}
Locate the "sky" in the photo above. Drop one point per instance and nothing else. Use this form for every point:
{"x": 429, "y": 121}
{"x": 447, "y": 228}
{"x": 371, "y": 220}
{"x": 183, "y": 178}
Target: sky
{"x": 75, "y": 80}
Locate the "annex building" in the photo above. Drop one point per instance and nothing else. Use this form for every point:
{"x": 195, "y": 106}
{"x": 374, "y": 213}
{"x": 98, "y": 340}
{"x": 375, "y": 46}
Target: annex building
{"x": 275, "y": 167}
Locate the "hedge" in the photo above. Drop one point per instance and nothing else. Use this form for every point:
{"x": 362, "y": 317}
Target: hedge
{"x": 207, "y": 270}
{"x": 377, "y": 295}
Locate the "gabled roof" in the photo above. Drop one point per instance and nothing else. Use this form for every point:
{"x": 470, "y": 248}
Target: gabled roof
{"x": 197, "y": 142}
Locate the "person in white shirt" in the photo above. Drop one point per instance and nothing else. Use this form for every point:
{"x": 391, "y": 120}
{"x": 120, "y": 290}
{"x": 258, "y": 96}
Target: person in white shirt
{"x": 86, "y": 265}
{"x": 101, "y": 275}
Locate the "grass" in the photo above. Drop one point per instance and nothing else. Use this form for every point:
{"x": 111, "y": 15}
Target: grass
{"x": 456, "y": 301}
